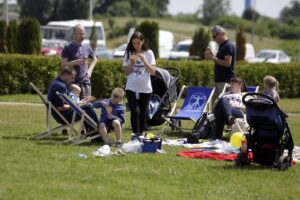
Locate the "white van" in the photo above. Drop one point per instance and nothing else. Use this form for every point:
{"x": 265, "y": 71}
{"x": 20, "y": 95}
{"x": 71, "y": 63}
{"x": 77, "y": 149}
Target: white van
{"x": 63, "y": 30}
{"x": 166, "y": 42}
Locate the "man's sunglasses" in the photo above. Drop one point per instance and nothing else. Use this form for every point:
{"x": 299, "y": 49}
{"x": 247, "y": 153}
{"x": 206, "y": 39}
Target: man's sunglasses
{"x": 214, "y": 36}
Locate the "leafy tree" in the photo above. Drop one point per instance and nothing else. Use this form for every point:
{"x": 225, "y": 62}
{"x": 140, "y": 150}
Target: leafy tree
{"x": 73, "y": 9}
{"x": 11, "y": 36}
{"x": 200, "y": 43}
{"x": 248, "y": 14}
{"x": 93, "y": 38}
{"x": 121, "y": 8}
{"x": 214, "y": 9}
{"x": 135, "y": 8}
{"x": 29, "y": 36}
{"x": 3, "y": 29}
{"x": 111, "y": 23}
{"x": 293, "y": 11}
{"x": 39, "y": 9}
{"x": 150, "y": 31}
{"x": 240, "y": 44}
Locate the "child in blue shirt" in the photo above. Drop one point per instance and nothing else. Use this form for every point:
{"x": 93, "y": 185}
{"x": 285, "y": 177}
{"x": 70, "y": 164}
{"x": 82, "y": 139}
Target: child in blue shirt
{"x": 74, "y": 94}
{"x": 112, "y": 116}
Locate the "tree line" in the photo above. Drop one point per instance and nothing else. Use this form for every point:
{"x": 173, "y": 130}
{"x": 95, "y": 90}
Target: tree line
{"x": 50, "y": 10}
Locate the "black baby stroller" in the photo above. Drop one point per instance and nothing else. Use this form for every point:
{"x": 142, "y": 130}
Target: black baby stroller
{"x": 269, "y": 133}
{"x": 165, "y": 90}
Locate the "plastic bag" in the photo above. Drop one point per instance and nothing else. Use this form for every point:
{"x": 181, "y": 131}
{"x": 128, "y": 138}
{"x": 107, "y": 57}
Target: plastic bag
{"x": 102, "y": 151}
{"x": 132, "y": 147}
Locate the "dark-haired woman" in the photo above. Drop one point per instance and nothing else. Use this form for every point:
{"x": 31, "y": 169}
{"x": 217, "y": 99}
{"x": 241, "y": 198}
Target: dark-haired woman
{"x": 230, "y": 106}
{"x": 139, "y": 63}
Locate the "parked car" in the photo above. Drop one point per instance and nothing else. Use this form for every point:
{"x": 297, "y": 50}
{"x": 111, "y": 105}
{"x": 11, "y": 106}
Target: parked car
{"x": 119, "y": 51}
{"x": 181, "y": 50}
{"x": 271, "y": 56}
{"x": 52, "y": 47}
{"x": 102, "y": 52}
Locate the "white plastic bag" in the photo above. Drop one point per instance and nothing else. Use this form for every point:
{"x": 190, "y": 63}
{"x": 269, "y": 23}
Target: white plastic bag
{"x": 102, "y": 151}
{"x": 132, "y": 147}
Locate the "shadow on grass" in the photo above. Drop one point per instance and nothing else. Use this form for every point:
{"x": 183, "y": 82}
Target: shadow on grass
{"x": 14, "y": 137}
{"x": 251, "y": 167}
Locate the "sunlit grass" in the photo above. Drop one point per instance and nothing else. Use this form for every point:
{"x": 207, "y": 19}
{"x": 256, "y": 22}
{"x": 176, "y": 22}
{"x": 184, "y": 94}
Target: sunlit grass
{"x": 46, "y": 169}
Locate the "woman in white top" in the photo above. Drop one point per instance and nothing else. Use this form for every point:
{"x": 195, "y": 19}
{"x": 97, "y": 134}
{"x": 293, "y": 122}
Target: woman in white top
{"x": 139, "y": 63}
{"x": 230, "y": 106}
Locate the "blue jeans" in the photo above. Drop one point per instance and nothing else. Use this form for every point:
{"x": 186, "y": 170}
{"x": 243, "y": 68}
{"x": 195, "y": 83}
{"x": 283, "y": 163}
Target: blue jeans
{"x": 222, "y": 111}
{"x": 68, "y": 114}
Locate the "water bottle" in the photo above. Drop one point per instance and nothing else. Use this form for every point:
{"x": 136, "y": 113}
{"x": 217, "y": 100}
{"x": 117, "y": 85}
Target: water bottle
{"x": 80, "y": 155}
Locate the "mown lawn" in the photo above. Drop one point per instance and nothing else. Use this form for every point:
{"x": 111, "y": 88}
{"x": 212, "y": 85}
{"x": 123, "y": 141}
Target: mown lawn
{"x": 46, "y": 169}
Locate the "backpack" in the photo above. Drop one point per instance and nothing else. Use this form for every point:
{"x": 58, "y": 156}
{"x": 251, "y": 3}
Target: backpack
{"x": 201, "y": 130}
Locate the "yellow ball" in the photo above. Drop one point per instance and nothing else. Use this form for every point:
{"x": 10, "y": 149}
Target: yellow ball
{"x": 236, "y": 139}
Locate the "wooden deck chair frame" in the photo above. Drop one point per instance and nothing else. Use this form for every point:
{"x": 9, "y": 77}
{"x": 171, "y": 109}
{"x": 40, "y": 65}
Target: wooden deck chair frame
{"x": 82, "y": 135}
{"x": 169, "y": 122}
{"x": 50, "y": 130}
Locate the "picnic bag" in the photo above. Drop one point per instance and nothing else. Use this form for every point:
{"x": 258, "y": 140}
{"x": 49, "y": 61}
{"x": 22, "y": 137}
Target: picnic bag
{"x": 201, "y": 130}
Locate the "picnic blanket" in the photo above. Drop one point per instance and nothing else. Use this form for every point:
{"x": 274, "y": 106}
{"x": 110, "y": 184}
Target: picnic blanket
{"x": 209, "y": 155}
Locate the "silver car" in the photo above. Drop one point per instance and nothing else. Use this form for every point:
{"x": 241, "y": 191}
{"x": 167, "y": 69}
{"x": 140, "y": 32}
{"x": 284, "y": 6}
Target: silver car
{"x": 271, "y": 56}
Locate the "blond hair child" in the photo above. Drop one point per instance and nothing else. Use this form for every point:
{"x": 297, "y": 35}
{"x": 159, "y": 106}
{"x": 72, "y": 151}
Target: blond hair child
{"x": 112, "y": 116}
{"x": 271, "y": 87}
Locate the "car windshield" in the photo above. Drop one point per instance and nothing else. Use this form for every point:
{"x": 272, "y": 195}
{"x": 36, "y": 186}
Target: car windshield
{"x": 266, "y": 55}
{"x": 54, "y": 44}
{"x": 122, "y": 47}
{"x": 182, "y": 47}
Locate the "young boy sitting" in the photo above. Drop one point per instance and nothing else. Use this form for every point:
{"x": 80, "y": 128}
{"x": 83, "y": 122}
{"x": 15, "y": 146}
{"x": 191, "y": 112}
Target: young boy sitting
{"x": 112, "y": 116}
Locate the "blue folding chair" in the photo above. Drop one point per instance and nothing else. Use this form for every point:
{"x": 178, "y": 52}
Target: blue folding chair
{"x": 50, "y": 129}
{"x": 195, "y": 104}
{"x": 253, "y": 89}
{"x": 82, "y": 136}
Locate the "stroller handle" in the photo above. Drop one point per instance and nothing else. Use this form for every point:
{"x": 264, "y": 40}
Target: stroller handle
{"x": 177, "y": 71}
{"x": 258, "y": 94}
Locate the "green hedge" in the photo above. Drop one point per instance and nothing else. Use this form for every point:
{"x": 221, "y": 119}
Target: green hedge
{"x": 16, "y": 71}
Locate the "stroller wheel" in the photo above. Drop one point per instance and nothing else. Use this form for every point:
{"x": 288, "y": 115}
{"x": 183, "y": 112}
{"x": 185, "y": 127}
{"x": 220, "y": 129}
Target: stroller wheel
{"x": 242, "y": 160}
{"x": 283, "y": 163}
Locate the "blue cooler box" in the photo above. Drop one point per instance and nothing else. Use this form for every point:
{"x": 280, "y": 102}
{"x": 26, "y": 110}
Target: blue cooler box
{"x": 151, "y": 145}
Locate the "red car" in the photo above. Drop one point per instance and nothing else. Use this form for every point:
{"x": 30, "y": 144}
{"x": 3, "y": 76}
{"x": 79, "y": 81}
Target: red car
{"x": 52, "y": 47}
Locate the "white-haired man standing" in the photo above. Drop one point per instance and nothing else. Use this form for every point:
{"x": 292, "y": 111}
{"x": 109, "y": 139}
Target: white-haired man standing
{"x": 224, "y": 59}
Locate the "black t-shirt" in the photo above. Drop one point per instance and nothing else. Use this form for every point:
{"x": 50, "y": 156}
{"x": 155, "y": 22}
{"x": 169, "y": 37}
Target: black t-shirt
{"x": 224, "y": 74}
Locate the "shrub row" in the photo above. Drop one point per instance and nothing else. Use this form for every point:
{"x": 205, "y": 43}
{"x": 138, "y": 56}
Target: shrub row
{"x": 16, "y": 71}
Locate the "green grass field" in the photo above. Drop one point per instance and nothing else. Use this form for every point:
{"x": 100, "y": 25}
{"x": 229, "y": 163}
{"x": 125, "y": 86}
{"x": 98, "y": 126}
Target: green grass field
{"x": 46, "y": 169}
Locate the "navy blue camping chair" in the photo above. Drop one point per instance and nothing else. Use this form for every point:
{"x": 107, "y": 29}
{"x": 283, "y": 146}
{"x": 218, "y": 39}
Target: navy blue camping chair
{"x": 82, "y": 136}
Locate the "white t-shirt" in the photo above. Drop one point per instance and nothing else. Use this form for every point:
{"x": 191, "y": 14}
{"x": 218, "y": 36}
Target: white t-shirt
{"x": 139, "y": 79}
{"x": 235, "y": 99}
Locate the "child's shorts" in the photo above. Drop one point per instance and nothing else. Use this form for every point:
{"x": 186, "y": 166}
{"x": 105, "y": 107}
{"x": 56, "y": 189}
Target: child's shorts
{"x": 108, "y": 124}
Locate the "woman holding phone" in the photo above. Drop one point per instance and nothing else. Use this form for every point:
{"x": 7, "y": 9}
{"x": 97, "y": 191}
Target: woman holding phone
{"x": 139, "y": 63}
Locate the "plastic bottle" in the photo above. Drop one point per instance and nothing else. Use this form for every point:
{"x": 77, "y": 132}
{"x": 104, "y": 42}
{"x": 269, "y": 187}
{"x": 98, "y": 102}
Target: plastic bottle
{"x": 244, "y": 146}
{"x": 80, "y": 155}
